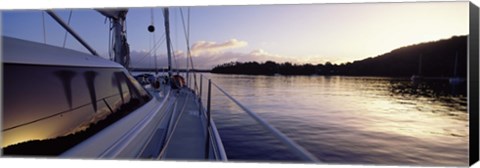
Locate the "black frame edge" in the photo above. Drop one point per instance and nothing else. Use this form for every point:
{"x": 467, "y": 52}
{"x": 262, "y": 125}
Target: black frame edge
{"x": 473, "y": 79}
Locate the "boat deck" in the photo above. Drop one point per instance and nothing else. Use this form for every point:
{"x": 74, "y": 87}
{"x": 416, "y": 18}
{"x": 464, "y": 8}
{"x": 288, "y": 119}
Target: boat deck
{"x": 187, "y": 141}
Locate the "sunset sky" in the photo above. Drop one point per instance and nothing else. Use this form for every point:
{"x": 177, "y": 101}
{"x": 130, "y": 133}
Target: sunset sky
{"x": 314, "y": 34}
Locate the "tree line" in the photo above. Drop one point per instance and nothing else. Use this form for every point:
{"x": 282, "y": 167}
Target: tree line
{"x": 443, "y": 58}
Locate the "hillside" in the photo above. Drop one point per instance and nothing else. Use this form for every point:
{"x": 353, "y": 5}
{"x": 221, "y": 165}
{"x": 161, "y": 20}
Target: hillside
{"x": 437, "y": 58}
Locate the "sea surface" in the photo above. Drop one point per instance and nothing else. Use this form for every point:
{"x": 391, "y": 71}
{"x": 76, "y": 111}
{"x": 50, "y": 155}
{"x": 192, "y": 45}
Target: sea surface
{"x": 343, "y": 120}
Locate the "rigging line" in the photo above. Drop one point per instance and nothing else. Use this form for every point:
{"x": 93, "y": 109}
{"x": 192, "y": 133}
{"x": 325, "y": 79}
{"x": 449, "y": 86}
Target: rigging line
{"x": 155, "y": 55}
{"x": 68, "y": 23}
{"x": 175, "y": 19}
{"x": 186, "y": 34}
{"x": 186, "y": 38}
{"x": 157, "y": 44}
{"x": 44, "y": 31}
{"x": 150, "y": 42}
{"x": 186, "y": 59}
{"x": 151, "y": 16}
{"x": 189, "y": 51}
{"x": 167, "y": 31}
{"x": 174, "y": 58}
{"x": 176, "y": 36}
{"x": 113, "y": 38}
{"x": 155, "y": 47}
{"x": 110, "y": 38}
{"x": 142, "y": 60}
{"x": 175, "y": 55}
{"x": 188, "y": 21}
{"x": 186, "y": 30}
{"x": 147, "y": 54}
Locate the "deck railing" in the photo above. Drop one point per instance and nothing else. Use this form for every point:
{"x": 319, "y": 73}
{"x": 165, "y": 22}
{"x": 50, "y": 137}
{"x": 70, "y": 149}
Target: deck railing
{"x": 292, "y": 145}
{"x": 211, "y": 129}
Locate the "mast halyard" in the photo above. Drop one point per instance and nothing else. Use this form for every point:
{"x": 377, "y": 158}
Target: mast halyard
{"x": 167, "y": 35}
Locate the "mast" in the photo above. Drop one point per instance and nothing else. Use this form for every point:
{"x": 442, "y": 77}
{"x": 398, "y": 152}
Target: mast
{"x": 167, "y": 34}
{"x": 456, "y": 64}
{"x": 420, "y": 66}
{"x": 121, "y": 47}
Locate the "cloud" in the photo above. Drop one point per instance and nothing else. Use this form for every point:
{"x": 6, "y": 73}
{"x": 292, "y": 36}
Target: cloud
{"x": 207, "y": 55}
{"x": 214, "y": 47}
{"x": 209, "y": 60}
{"x": 143, "y": 59}
{"x": 259, "y": 55}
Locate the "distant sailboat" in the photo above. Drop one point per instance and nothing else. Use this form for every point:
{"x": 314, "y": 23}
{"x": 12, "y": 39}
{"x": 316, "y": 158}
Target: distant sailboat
{"x": 455, "y": 80}
{"x": 416, "y": 78}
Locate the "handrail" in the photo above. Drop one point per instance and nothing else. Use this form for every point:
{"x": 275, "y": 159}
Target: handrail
{"x": 297, "y": 149}
{"x": 211, "y": 128}
{"x": 207, "y": 146}
{"x": 218, "y": 140}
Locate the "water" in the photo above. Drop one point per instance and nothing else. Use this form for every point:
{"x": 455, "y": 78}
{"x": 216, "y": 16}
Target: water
{"x": 345, "y": 120}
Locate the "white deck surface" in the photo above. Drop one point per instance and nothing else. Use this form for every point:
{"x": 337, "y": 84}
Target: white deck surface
{"x": 188, "y": 137}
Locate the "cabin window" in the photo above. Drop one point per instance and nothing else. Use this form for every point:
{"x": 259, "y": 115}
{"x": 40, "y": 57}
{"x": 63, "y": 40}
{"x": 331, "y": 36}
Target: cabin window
{"x": 49, "y": 109}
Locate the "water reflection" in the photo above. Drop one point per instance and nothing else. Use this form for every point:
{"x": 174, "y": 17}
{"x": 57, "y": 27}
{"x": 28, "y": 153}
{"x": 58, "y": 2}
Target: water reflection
{"x": 346, "y": 119}
{"x": 429, "y": 88}
{"x": 63, "y": 108}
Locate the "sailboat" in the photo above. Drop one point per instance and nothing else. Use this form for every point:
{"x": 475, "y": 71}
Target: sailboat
{"x": 61, "y": 102}
{"x": 81, "y": 105}
{"x": 418, "y": 77}
{"x": 455, "y": 80}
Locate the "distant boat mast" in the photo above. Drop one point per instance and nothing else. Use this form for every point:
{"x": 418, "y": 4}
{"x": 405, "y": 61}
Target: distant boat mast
{"x": 417, "y": 77}
{"x": 420, "y": 65}
{"x": 455, "y": 66}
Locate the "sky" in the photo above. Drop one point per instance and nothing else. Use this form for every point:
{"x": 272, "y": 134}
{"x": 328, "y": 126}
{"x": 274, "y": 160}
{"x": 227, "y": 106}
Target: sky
{"x": 314, "y": 33}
